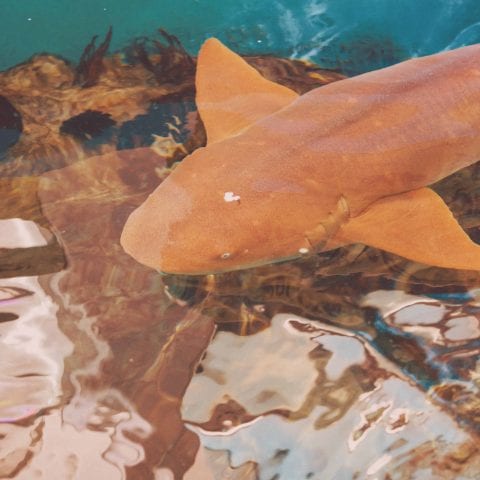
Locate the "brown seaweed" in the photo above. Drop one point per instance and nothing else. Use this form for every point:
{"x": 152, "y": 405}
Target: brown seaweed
{"x": 171, "y": 64}
{"x": 90, "y": 66}
{"x": 298, "y": 75}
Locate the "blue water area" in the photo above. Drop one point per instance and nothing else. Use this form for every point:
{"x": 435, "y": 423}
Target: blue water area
{"x": 354, "y": 35}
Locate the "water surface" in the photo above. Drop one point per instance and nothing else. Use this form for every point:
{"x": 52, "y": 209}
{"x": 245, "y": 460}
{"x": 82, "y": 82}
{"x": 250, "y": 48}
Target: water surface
{"x": 352, "y": 364}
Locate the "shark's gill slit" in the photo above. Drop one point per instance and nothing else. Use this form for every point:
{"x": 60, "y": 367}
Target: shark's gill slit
{"x": 325, "y": 231}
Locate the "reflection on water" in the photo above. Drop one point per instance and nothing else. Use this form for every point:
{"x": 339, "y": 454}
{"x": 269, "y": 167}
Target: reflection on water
{"x": 358, "y": 414}
{"x": 351, "y": 364}
{"x": 32, "y": 350}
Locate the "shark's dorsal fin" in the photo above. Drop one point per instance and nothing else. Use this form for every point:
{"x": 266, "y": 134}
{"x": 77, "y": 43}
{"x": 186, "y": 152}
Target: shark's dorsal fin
{"x": 231, "y": 95}
{"x": 417, "y": 225}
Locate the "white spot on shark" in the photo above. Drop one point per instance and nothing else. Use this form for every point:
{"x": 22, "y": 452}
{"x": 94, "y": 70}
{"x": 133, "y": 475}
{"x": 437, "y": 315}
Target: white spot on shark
{"x": 231, "y": 197}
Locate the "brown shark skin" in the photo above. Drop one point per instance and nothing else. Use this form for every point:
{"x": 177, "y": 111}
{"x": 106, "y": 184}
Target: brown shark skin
{"x": 339, "y": 147}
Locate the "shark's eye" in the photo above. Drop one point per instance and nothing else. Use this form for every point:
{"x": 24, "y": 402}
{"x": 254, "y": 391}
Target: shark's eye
{"x": 225, "y": 256}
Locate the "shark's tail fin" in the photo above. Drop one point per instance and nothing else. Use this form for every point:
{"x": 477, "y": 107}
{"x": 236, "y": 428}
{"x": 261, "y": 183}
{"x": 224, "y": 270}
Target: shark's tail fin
{"x": 417, "y": 225}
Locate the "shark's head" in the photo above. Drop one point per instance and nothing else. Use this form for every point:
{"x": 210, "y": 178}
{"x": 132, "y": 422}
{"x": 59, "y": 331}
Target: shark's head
{"x": 201, "y": 221}
{"x": 209, "y": 216}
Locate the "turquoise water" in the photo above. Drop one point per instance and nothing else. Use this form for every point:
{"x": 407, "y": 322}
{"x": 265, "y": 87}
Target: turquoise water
{"x": 356, "y": 34}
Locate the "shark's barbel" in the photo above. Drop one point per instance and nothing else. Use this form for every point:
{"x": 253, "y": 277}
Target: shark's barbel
{"x": 283, "y": 175}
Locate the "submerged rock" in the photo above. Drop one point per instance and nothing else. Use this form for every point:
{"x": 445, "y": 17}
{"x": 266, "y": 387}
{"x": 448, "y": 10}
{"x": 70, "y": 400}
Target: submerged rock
{"x": 11, "y": 125}
{"x": 87, "y": 126}
{"x": 125, "y": 100}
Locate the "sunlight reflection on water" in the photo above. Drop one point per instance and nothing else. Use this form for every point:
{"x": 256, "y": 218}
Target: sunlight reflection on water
{"x": 375, "y": 428}
{"x": 122, "y": 380}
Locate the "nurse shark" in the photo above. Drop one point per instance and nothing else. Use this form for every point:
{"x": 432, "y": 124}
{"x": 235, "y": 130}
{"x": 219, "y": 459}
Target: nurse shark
{"x": 284, "y": 175}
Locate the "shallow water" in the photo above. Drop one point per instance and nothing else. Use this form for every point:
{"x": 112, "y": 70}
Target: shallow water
{"x": 352, "y": 364}
{"x": 357, "y": 34}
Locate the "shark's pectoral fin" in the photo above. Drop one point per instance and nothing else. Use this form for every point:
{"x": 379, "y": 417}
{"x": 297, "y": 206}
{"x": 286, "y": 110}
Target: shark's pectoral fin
{"x": 417, "y": 225}
{"x": 231, "y": 95}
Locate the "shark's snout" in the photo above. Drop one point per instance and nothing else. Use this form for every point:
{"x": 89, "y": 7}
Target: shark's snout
{"x": 151, "y": 234}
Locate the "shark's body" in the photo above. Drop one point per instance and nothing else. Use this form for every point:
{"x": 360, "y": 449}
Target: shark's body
{"x": 284, "y": 175}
